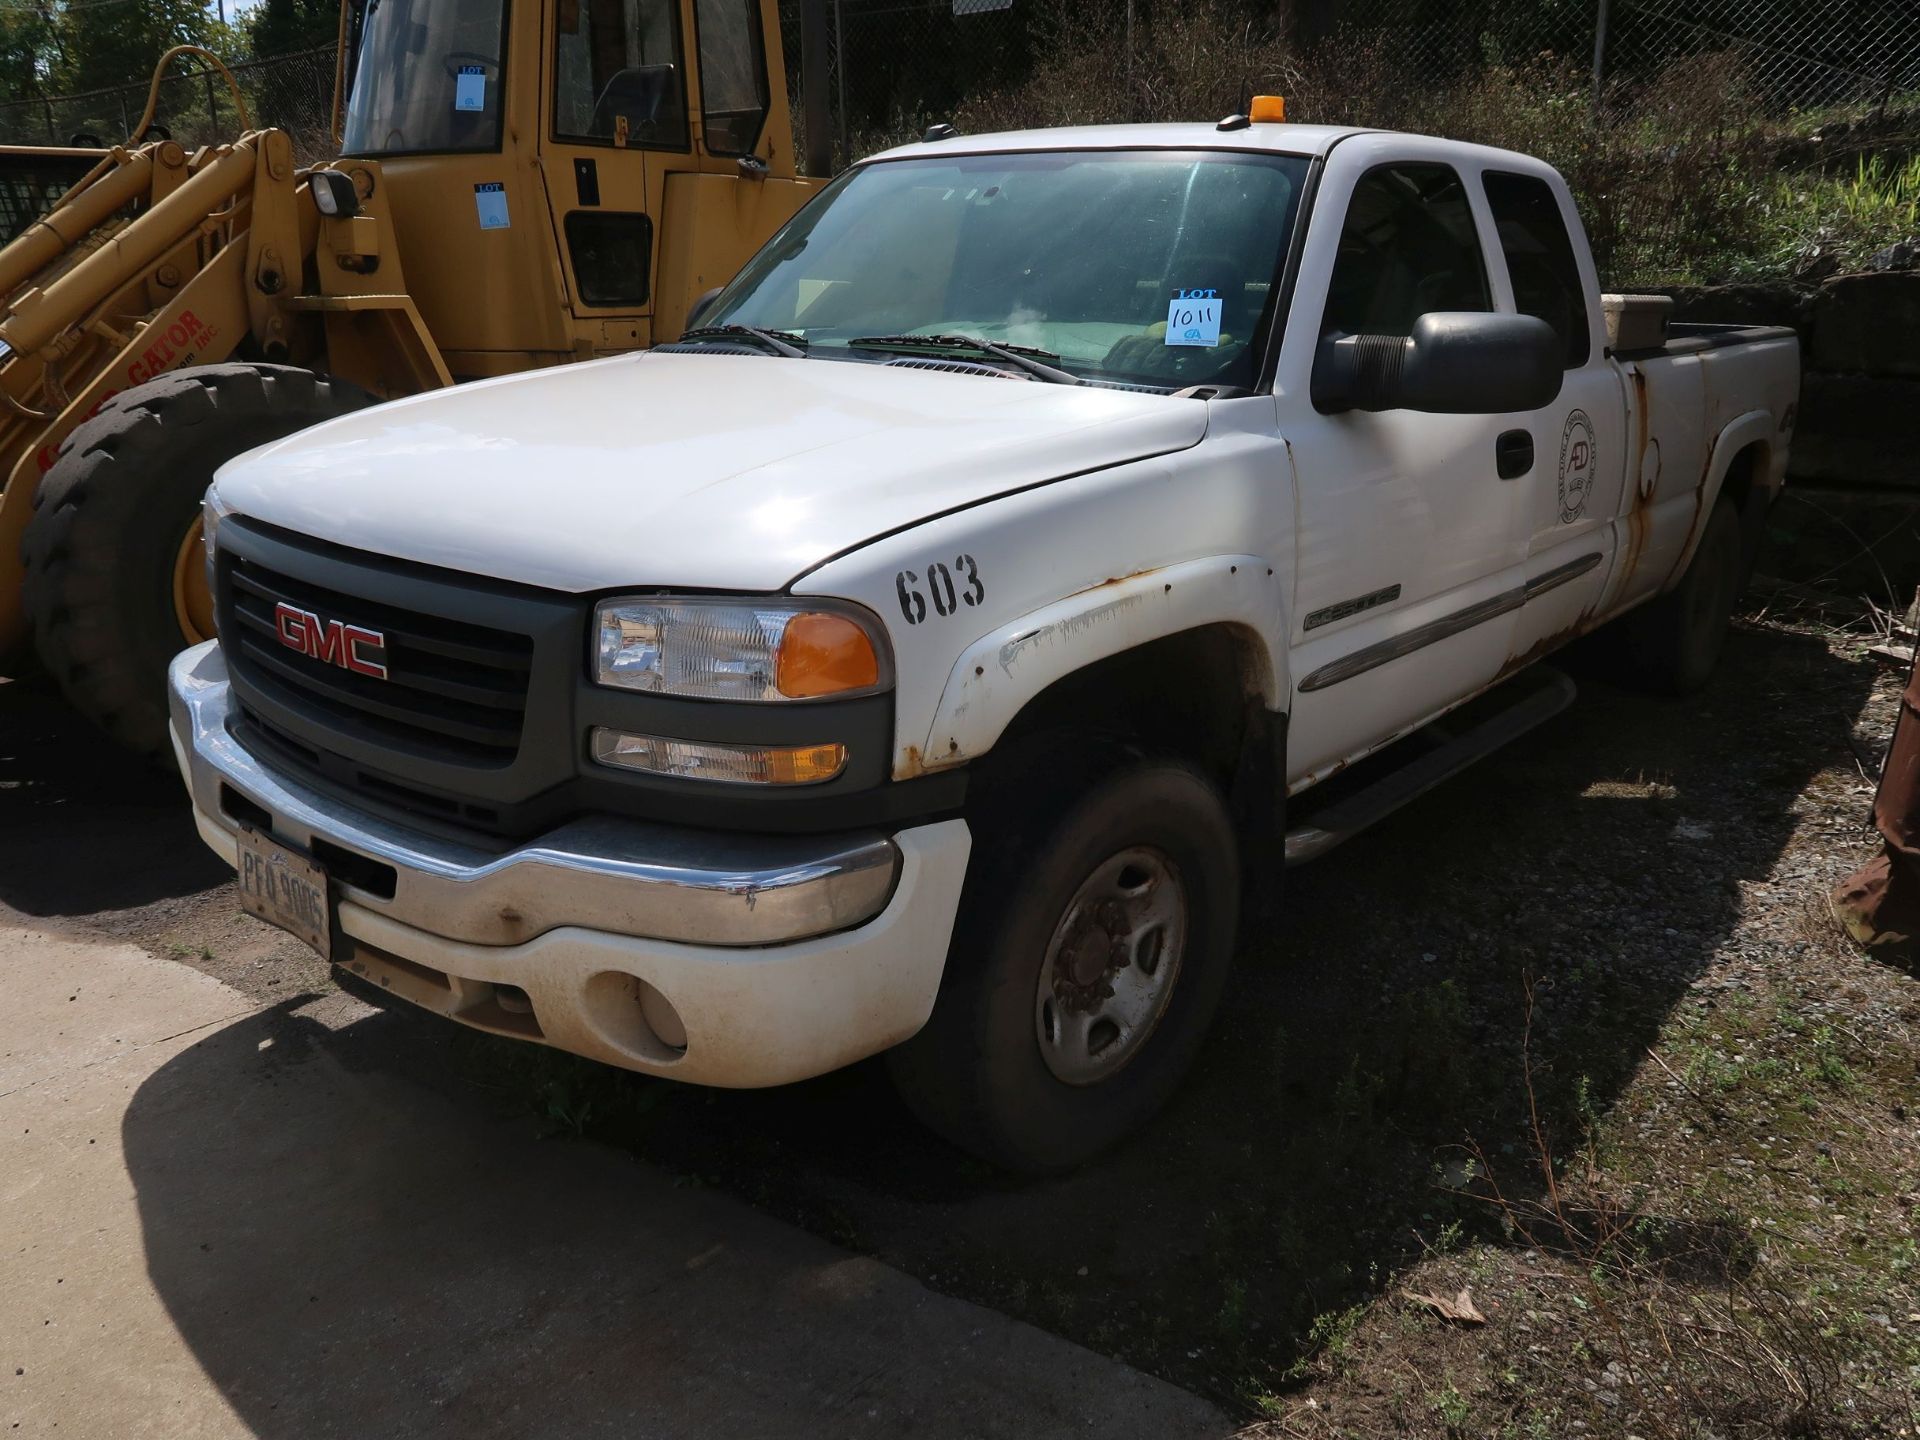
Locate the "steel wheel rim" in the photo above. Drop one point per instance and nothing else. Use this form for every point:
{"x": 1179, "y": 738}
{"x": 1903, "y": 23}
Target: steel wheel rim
{"x": 1111, "y": 966}
{"x": 192, "y": 600}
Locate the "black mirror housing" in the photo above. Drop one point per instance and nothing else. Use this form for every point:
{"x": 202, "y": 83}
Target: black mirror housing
{"x": 1456, "y": 362}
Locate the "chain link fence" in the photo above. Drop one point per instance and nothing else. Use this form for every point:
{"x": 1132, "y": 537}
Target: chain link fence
{"x": 898, "y": 65}
{"x": 1682, "y": 125}
{"x": 1791, "y": 54}
{"x": 293, "y": 92}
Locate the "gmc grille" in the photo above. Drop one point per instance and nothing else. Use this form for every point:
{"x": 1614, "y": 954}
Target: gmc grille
{"x": 454, "y": 690}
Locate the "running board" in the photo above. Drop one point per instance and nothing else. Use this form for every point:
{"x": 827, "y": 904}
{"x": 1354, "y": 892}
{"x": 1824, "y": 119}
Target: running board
{"x": 1349, "y": 815}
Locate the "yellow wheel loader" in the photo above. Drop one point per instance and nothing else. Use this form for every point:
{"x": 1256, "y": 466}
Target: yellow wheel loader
{"x": 518, "y": 185}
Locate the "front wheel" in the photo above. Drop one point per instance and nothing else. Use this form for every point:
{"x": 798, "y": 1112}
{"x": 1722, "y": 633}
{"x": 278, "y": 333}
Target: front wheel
{"x": 1089, "y": 957}
{"x": 115, "y": 577}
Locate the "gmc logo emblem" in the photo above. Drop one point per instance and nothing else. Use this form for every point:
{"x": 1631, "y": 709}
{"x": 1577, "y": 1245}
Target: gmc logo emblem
{"x": 331, "y": 641}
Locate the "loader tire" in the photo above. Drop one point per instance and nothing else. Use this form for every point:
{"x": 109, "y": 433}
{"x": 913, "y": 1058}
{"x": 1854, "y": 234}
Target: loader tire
{"x": 114, "y": 588}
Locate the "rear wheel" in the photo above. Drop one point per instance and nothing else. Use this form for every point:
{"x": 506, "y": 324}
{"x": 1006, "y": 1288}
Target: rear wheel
{"x": 1090, "y": 954}
{"x": 116, "y": 583}
{"x": 1673, "y": 643}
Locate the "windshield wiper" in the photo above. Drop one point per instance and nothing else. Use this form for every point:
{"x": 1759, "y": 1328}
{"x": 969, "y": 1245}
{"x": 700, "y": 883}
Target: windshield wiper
{"x": 775, "y": 342}
{"x": 1023, "y": 357}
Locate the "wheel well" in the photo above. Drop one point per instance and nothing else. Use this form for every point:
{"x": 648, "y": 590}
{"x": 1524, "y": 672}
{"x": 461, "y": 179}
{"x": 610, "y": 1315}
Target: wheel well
{"x": 1197, "y": 694}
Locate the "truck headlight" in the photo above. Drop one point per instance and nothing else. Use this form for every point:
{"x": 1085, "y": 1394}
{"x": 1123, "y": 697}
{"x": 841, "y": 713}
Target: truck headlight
{"x": 212, "y": 507}
{"x": 756, "y": 650}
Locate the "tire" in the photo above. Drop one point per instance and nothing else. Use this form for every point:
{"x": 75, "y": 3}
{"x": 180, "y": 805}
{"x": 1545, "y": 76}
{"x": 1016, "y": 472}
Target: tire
{"x": 1672, "y": 644}
{"x": 1000, "y": 1069}
{"x": 114, "y": 520}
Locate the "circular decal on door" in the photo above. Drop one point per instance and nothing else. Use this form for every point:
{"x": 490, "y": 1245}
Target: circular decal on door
{"x": 1576, "y": 466}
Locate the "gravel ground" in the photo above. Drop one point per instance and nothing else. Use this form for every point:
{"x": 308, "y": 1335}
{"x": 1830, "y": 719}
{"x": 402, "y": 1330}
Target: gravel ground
{"x": 1572, "y": 1032}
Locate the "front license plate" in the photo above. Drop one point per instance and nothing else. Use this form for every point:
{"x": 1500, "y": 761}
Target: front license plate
{"x": 285, "y": 888}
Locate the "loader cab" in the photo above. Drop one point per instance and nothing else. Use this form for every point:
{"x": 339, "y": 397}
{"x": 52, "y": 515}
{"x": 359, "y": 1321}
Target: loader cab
{"x": 565, "y": 176}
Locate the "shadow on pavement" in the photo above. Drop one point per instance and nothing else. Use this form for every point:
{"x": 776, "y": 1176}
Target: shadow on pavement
{"x": 85, "y": 826}
{"x": 347, "y": 1253}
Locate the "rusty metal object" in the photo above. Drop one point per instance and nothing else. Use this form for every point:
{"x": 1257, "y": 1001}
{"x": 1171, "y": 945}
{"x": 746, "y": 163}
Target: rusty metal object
{"x": 1879, "y": 904}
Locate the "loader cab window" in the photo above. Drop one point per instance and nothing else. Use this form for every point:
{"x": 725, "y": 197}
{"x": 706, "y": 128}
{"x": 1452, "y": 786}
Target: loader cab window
{"x": 617, "y": 73}
{"x": 733, "y": 74}
{"x": 426, "y": 78}
{"x": 1408, "y": 247}
{"x": 1539, "y": 256}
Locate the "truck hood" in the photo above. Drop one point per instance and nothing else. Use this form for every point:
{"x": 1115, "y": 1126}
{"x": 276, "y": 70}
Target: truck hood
{"x": 685, "y": 470}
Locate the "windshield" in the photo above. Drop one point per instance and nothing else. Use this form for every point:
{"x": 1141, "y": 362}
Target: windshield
{"x": 426, "y": 77}
{"x": 1141, "y": 266}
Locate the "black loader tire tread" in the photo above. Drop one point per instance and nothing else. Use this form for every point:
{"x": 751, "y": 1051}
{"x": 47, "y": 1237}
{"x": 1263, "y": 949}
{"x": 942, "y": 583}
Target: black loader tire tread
{"x": 95, "y": 518}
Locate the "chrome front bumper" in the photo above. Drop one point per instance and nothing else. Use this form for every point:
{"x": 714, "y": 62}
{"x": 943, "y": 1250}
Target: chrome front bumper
{"x": 738, "y": 961}
{"x": 626, "y": 877}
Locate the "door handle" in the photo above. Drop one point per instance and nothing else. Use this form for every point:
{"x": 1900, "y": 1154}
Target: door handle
{"x": 1513, "y": 454}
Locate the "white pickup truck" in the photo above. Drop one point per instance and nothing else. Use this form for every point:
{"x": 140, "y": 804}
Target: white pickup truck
{"x": 920, "y": 654}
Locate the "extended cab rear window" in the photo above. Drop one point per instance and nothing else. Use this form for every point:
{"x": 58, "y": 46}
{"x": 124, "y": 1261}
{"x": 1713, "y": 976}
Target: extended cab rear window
{"x": 1539, "y": 255}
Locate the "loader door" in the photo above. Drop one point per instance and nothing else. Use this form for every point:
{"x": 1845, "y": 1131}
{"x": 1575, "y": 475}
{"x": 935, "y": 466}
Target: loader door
{"x": 618, "y": 95}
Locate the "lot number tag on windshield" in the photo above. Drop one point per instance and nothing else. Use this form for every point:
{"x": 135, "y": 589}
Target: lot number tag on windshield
{"x": 470, "y": 88}
{"x": 1193, "y": 318}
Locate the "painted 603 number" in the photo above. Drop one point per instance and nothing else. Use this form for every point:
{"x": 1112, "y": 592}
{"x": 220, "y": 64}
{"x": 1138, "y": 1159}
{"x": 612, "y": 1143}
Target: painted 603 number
{"x": 940, "y": 589}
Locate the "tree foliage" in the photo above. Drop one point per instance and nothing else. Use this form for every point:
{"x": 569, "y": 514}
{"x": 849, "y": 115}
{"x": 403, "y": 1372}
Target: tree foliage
{"x": 28, "y": 49}
{"x": 58, "y": 47}
{"x": 280, "y": 27}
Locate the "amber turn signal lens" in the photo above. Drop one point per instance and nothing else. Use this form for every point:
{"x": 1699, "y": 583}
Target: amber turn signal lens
{"x": 822, "y": 654}
{"x": 737, "y": 764}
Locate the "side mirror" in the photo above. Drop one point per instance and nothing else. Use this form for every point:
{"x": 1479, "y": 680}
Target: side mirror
{"x": 1456, "y": 362}
{"x": 700, "y": 306}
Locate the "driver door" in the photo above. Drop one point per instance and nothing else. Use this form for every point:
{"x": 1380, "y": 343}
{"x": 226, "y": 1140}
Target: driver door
{"x": 1406, "y": 554}
{"x": 617, "y": 91}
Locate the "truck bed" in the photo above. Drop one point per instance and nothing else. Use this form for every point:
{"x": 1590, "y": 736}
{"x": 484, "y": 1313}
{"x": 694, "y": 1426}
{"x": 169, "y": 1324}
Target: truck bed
{"x": 1690, "y": 338}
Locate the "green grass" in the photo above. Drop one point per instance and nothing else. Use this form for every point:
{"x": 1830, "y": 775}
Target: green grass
{"x": 1451, "y": 1407}
{"x": 1827, "y": 224}
{"x": 1329, "y": 1341}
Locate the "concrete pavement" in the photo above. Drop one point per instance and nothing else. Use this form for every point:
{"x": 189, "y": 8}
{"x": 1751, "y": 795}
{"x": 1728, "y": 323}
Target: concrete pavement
{"x": 213, "y": 1223}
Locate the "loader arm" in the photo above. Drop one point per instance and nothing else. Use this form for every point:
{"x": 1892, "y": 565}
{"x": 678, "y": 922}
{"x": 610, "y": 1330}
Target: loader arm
{"x": 227, "y": 252}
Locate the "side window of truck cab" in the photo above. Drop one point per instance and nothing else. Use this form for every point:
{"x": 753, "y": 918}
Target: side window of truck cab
{"x": 1407, "y": 247}
{"x": 1539, "y": 258}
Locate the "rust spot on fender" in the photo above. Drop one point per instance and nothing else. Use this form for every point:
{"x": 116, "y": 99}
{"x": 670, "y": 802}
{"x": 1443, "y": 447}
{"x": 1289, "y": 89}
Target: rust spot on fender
{"x": 1115, "y": 580}
{"x": 914, "y": 762}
